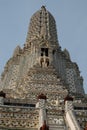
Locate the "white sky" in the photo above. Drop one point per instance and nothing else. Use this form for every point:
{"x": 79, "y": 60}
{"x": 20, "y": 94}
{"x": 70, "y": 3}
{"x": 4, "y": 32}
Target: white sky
{"x": 71, "y": 20}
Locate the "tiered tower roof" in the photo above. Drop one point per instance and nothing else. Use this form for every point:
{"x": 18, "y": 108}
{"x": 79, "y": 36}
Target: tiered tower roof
{"x": 42, "y": 24}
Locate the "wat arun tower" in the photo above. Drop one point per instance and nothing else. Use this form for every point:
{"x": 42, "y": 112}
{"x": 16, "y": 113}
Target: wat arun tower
{"x": 40, "y": 87}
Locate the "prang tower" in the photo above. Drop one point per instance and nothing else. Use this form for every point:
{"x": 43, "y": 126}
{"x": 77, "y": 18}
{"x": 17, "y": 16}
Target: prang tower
{"x": 41, "y": 88}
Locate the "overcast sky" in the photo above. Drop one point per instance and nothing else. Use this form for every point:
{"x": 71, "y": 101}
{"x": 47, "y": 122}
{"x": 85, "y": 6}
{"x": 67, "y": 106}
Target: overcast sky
{"x": 71, "y": 21}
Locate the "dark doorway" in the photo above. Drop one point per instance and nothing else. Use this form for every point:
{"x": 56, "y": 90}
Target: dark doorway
{"x": 44, "y": 51}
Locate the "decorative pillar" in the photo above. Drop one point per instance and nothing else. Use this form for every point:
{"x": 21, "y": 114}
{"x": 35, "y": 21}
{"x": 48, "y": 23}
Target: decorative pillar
{"x": 68, "y": 103}
{"x": 69, "y": 113}
{"x": 42, "y": 112}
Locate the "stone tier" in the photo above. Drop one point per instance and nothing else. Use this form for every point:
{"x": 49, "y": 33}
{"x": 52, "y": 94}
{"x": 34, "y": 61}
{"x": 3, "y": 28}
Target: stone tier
{"x": 19, "y": 118}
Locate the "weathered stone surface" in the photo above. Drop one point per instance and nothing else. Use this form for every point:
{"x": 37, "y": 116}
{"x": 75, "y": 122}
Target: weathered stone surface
{"x": 41, "y": 67}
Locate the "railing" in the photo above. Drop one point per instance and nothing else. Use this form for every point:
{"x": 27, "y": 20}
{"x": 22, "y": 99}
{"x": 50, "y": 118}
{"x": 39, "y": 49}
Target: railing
{"x": 74, "y": 124}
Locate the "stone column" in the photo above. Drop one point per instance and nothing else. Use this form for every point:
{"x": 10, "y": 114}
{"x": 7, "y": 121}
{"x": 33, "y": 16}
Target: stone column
{"x": 42, "y": 110}
{"x": 69, "y": 114}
